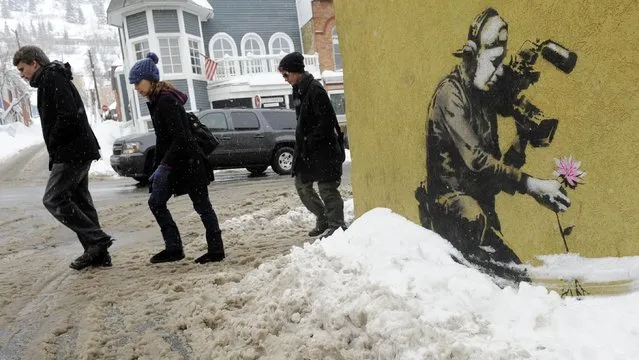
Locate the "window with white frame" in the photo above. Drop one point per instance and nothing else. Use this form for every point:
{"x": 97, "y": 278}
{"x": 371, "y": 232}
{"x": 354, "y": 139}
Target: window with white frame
{"x": 337, "y": 54}
{"x": 141, "y": 49}
{"x": 280, "y": 43}
{"x": 170, "y": 55}
{"x": 222, "y": 45}
{"x": 253, "y": 45}
{"x": 194, "y": 52}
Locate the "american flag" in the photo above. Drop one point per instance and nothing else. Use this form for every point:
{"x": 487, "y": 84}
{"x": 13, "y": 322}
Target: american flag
{"x": 210, "y": 66}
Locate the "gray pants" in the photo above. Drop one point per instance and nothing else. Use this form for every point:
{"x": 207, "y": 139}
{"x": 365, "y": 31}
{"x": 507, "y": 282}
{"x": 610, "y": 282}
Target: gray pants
{"x": 68, "y": 199}
{"x": 328, "y": 207}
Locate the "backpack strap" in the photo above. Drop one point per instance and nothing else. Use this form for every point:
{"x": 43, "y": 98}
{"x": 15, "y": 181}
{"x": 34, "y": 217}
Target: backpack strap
{"x": 336, "y": 124}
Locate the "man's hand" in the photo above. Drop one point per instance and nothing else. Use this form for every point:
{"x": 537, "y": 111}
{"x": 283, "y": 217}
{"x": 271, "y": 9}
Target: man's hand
{"x": 548, "y": 193}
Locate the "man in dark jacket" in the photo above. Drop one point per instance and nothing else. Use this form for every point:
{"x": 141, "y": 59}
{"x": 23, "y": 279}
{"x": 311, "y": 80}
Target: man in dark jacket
{"x": 319, "y": 150}
{"x": 72, "y": 147}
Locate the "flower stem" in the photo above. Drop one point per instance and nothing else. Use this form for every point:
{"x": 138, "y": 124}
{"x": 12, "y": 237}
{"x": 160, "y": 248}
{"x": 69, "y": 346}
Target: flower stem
{"x": 561, "y": 231}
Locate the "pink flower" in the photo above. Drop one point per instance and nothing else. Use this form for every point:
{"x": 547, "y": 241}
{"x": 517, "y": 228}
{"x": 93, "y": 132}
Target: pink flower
{"x": 568, "y": 170}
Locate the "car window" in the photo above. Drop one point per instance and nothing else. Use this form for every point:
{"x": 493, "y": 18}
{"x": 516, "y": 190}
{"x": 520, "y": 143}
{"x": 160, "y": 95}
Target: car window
{"x": 280, "y": 120}
{"x": 244, "y": 121}
{"x": 215, "y": 121}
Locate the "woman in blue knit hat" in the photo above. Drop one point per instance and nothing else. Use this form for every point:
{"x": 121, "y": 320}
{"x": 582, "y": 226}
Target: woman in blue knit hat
{"x": 181, "y": 166}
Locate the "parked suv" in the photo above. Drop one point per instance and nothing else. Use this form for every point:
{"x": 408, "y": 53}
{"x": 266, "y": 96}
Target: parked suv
{"x": 249, "y": 138}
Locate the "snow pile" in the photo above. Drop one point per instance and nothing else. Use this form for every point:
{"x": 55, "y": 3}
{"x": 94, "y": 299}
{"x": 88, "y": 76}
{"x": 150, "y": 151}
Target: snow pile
{"x": 106, "y": 132}
{"x": 278, "y": 216}
{"x": 573, "y": 266}
{"x": 388, "y": 289}
{"x": 16, "y": 136}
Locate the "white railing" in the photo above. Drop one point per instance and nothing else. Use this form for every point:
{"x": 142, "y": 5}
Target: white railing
{"x": 233, "y": 66}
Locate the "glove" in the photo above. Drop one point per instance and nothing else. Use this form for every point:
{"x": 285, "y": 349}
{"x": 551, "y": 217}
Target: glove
{"x": 548, "y": 193}
{"x": 162, "y": 170}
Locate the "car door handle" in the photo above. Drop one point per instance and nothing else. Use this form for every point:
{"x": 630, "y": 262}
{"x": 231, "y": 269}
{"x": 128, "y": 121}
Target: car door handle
{"x": 259, "y": 136}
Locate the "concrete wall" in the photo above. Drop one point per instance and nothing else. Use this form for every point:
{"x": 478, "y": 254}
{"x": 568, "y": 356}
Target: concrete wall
{"x": 396, "y": 55}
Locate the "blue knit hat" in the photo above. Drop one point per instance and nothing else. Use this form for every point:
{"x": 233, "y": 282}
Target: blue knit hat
{"x": 145, "y": 69}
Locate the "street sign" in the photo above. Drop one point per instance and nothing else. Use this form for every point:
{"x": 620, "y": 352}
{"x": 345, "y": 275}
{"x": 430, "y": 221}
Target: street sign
{"x": 258, "y": 102}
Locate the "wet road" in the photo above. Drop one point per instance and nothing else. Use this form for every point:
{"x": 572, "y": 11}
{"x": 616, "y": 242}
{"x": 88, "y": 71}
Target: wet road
{"x": 43, "y": 303}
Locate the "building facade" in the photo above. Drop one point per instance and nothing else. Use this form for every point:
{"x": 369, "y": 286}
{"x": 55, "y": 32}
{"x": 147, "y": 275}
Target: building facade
{"x": 245, "y": 38}
{"x": 319, "y": 34}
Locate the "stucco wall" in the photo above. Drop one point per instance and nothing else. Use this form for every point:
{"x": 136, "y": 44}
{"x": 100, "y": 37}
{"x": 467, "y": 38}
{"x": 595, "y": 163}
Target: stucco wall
{"x": 397, "y": 53}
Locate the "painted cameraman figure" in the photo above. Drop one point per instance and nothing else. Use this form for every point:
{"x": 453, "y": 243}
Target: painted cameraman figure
{"x": 465, "y": 167}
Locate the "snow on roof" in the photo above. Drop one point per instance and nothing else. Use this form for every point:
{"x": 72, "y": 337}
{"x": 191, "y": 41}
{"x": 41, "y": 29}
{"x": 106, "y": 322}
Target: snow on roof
{"x": 262, "y": 79}
{"x": 203, "y": 3}
{"x": 115, "y": 5}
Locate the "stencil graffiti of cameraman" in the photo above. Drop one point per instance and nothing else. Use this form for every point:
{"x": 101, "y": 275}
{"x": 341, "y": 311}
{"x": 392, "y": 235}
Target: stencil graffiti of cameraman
{"x": 465, "y": 167}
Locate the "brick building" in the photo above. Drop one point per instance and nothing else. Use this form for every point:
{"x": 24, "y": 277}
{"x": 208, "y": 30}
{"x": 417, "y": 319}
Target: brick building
{"x": 319, "y": 35}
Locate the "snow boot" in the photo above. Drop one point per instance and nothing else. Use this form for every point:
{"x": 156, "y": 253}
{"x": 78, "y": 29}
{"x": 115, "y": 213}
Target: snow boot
{"x": 94, "y": 254}
{"x": 168, "y": 255}
{"x": 215, "y": 251}
{"x": 319, "y": 229}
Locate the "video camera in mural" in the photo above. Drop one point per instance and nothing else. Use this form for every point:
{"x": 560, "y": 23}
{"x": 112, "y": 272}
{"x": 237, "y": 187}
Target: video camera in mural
{"x": 520, "y": 74}
{"x": 465, "y": 166}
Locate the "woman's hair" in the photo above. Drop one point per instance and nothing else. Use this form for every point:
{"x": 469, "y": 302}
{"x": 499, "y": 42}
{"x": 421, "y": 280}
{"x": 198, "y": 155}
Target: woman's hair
{"x": 158, "y": 87}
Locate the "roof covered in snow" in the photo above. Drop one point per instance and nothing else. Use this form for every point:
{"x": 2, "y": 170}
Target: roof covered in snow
{"x": 115, "y": 9}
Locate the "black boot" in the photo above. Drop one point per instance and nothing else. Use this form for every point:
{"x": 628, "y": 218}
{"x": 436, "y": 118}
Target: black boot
{"x": 100, "y": 261}
{"x": 168, "y": 255}
{"x": 94, "y": 254}
{"x": 320, "y": 227}
{"x": 104, "y": 261}
{"x": 215, "y": 251}
{"x": 330, "y": 230}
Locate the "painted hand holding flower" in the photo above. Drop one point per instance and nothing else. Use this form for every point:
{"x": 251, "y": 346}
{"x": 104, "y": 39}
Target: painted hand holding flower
{"x": 569, "y": 173}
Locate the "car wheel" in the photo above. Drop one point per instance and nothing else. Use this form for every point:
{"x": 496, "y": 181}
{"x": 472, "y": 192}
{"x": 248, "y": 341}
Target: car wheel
{"x": 257, "y": 170}
{"x": 283, "y": 161}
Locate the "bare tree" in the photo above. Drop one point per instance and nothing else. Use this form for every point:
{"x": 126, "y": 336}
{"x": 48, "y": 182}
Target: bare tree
{"x": 11, "y": 83}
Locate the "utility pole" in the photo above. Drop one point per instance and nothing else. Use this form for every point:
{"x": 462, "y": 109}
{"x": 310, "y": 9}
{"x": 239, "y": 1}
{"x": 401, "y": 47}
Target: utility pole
{"x": 17, "y": 38}
{"x": 95, "y": 83}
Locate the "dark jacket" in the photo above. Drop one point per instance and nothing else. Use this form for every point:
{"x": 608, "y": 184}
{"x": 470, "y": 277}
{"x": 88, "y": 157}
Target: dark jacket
{"x": 65, "y": 127}
{"x": 176, "y": 146}
{"x": 318, "y": 154}
{"x": 463, "y": 153}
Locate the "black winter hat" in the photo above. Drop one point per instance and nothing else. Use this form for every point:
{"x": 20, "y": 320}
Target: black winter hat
{"x": 293, "y": 62}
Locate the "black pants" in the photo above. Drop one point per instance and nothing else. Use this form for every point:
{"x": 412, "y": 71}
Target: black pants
{"x": 160, "y": 195}
{"x": 68, "y": 199}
